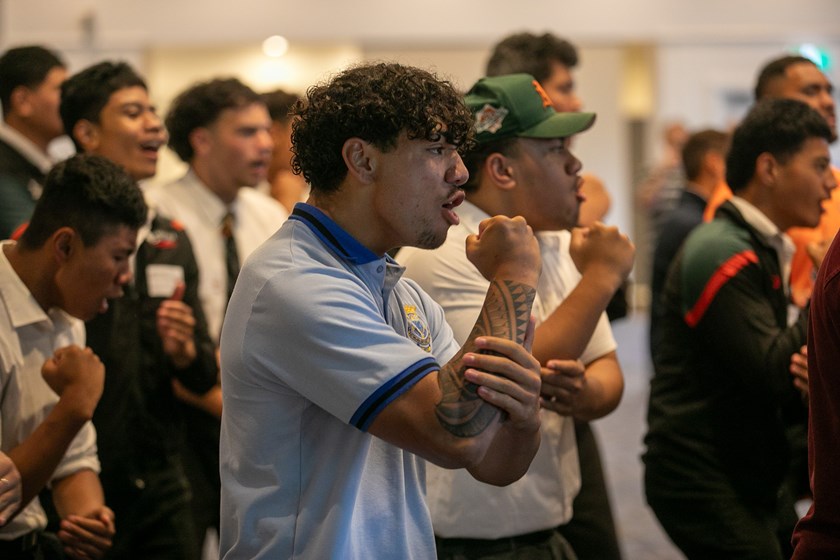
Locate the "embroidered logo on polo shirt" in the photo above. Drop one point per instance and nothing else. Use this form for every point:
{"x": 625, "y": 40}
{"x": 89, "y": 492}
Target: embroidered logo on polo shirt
{"x": 417, "y": 331}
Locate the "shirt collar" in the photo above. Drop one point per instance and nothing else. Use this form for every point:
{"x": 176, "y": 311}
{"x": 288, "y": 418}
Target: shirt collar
{"x": 206, "y": 200}
{"x": 20, "y": 304}
{"x": 757, "y": 219}
{"x": 333, "y": 235}
{"x": 25, "y": 147}
{"x": 772, "y": 235}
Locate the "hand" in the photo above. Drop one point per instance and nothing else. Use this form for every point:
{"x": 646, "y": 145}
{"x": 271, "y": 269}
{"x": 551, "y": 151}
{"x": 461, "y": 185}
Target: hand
{"x": 87, "y": 537}
{"x": 817, "y": 251}
{"x": 10, "y": 488}
{"x": 509, "y": 378}
{"x": 505, "y": 249}
{"x": 176, "y": 328}
{"x": 563, "y": 381}
{"x": 799, "y": 371}
{"x": 77, "y": 376}
{"x": 604, "y": 251}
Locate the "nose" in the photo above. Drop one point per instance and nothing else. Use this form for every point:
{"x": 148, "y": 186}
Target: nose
{"x": 457, "y": 174}
{"x": 266, "y": 142}
{"x": 576, "y": 103}
{"x": 830, "y": 180}
{"x": 124, "y": 277}
{"x": 575, "y": 165}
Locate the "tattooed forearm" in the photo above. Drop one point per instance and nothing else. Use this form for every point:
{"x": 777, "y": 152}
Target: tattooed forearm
{"x": 506, "y": 312}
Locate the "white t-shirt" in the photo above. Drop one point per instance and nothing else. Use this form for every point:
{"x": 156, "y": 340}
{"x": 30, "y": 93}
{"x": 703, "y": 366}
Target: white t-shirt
{"x": 542, "y": 499}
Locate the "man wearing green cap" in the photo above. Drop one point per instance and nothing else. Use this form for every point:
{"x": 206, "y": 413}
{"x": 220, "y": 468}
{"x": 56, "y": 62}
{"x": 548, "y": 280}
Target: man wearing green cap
{"x": 521, "y": 166}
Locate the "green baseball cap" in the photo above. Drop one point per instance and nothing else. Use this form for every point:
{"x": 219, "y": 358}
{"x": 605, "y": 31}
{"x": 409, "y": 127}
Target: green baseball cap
{"x": 516, "y": 105}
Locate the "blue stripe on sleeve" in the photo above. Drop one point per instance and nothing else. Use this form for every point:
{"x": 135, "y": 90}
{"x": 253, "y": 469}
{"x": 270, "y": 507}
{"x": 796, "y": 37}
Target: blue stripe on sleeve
{"x": 395, "y": 387}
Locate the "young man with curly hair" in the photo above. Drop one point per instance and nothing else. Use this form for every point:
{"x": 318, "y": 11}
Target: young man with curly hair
{"x": 339, "y": 377}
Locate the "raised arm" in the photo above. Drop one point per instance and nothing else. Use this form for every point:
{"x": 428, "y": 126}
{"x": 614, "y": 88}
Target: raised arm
{"x": 604, "y": 257}
{"x": 77, "y": 376}
{"x": 446, "y": 417}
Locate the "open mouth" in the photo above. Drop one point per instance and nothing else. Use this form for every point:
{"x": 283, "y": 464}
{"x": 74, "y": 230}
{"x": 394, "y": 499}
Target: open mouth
{"x": 449, "y": 208}
{"x": 151, "y": 147}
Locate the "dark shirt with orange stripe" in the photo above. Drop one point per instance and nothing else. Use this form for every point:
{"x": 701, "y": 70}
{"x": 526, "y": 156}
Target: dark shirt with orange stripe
{"x": 722, "y": 398}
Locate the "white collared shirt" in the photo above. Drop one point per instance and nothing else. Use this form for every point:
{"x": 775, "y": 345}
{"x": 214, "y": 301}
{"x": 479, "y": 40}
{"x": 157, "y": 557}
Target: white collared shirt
{"x": 25, "y": 147}
{"x": 28, "y": 337}
{"x": 462, "y": 507}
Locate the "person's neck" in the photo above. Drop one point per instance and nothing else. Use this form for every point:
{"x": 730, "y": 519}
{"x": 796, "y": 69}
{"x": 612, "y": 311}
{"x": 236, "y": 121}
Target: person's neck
{"x": 32, "y": 272}
{"x": 223, "y": 191}
{"x": 352, "y": 214}
{"x": 22, "y": 127}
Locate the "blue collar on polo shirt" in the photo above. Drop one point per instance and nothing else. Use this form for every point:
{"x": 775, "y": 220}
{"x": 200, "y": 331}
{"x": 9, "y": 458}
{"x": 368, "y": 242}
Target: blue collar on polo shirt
{"x": 333, "y": 235}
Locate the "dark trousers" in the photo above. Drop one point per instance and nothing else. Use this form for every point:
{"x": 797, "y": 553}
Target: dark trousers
{"x": 591, "y": 531}
{"x": 201, "y": 464}
{"x": 542, "y": 545}
{"x": 715, "y": 522}
{"x": 153, "y": 516}
{"x": 37, "y": 545}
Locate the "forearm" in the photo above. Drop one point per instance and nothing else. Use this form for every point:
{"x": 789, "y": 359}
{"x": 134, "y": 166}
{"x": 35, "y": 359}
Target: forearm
{"x": 508, "y": 457}
{"x": 38, "y": 456}
{"x": 505, "y": 314}
{"x": 603, "y": 389}
{"x": 78, "y": 494}
{"x": 566, "y": 332}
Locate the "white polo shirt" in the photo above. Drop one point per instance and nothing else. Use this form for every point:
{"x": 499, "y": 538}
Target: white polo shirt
{"x": 542, "y": 499}
{"x": 319, "y": 337}
{"x": 28, "y": 338}
{"x": 200, "y": 211}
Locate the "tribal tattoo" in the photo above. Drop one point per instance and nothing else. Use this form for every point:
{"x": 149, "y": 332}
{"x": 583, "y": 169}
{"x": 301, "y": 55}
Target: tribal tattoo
{"x": 506, "y": 313}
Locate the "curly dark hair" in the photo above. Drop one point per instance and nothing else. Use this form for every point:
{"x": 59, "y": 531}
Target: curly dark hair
{"x": 776, "y": 126}
{"x": 88, "y": 193}
{"x": 377, "y": 103}
{"x": 200, "y": 106}
{"x": 85, "y": 94}
{"x": 531, "y": 54}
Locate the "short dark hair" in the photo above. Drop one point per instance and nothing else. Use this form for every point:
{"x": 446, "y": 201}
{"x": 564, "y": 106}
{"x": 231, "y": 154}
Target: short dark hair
{"x": 776, "y": 126}
{"x": 774, "y": 70}
{"x": 88, "y": 193}
{"x": 531, "y": 54}
{"x": 85, "y": 94}
{"x": 200, "y": 106}
{"x": 377, "y": 103}
{"x": 279, "y": 104}
{"x": 698, "y": 145}
{"x": 24, "y": 66}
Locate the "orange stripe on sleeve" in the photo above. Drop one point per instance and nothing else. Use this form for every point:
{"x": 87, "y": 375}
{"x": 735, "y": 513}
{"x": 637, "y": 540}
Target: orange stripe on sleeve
{"x": 721, "y": 276}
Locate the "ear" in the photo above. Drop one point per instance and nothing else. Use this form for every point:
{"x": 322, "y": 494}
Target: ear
{"x": 87, "y": 134}
{"x": 361, "y": 159}
{"x": 499, "y": 169}
{"x": 766, "y": 168}
{"x": 201, "y": 141}
{"x": 61, "y": 242}
{"x": 19, "y": 101}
